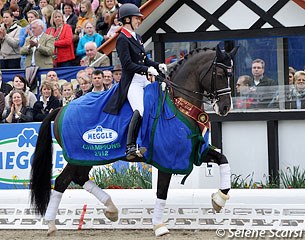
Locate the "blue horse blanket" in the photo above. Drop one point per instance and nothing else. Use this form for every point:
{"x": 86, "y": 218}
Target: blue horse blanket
{"x": 90, "y": 136}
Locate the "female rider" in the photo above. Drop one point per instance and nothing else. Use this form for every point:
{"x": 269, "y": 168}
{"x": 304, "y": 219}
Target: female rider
{"x": 135, "y": 66}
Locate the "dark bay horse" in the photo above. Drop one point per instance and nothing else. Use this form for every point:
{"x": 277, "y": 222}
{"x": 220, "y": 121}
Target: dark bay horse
{"x": 202, "y": 74}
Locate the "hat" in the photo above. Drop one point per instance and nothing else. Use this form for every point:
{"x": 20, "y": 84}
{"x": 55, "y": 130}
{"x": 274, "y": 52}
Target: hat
{"x": 117, "y": 68}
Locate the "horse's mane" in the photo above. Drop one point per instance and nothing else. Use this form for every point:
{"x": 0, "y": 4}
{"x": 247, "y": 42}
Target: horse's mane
{"x": 175, "y": 66}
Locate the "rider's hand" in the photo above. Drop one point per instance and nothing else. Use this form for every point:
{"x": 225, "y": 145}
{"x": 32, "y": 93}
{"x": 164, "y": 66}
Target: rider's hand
{"x": 163, "y": 68}
{"x": 152, "y": 71}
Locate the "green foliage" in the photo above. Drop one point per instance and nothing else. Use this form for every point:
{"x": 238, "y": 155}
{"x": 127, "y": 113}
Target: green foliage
{"x": 293, "y": 178}
{"x": 126, "y": 178}
{"x": 290, "y": 178}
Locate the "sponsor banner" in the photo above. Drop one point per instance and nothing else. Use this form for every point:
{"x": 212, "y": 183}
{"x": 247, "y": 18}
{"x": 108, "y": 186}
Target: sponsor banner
{"x": 17, "y": 145}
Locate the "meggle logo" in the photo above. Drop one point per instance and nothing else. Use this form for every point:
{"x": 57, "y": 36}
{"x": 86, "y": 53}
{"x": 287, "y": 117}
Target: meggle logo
{"x": 100, "y": 135}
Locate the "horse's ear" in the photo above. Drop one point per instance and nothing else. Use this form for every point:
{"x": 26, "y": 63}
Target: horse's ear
{"x": 219, "y": 54}
{"x": 233, "y": 52}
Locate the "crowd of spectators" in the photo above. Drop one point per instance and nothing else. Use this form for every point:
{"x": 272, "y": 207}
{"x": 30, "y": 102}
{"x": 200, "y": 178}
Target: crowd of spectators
{"x": 260, "y": 92}
{"x": 53, "y": 34}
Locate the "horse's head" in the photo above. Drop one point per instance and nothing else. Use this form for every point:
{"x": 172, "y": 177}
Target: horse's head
{"x": 208, "y": 76}
{"x": 220, "y": 91}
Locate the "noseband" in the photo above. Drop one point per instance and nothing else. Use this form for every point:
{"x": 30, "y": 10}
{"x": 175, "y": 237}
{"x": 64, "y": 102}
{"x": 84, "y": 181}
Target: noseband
{"x": 213, "y": 94}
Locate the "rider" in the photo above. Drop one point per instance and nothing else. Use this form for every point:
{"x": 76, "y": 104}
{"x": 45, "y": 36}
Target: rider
{"x": 135, "y": 66}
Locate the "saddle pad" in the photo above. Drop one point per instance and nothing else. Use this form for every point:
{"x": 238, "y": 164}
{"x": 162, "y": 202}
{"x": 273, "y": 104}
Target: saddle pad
{"x": 90, "y": 136}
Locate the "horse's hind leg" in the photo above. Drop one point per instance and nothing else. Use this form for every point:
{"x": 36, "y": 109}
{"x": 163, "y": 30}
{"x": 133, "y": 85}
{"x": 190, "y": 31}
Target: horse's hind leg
{"x": 61, "y": 184}
{"x": 162, "y": 190}
{"x": 221, "y": 196}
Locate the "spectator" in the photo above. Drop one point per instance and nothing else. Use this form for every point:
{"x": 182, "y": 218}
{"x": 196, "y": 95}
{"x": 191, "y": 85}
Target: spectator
{"x": 27, "y": 32}
{"x": 108, "y": 79}
{"x": 262, "y": 85}
{"x": 52, "y": 77}
{"x": 94, "y": 58}
{"x": 296, "y": 99}
{"x": 89, "y": 71}
{"x": 18, "y": 15}
{"x": 57, "y": 91}
{"x": 86, "y": 13}
{"x": 67, "y": 94}
{"x": 18, "y": 111}
{"x": 46, "y": 14}
{"x": 85, "y": 85}
{"x": 4, "y": 87}
{"x": 117, "y": 73}
{"x": 46, "y": 103}
{"x": 244, "y": 98}
{"x": 90, "y": 36}
{"x": 2, "y": 104}
{"x": 62, "y": 32}
{"x": 9, "y": 38}
{"x": 6, "y": 6}
{"x": 291, "y": 76}
{"x": 38, "y": 48}
{"x": 70, "y": 17}
{"x": 19, "y": 83}
{"x": 103, "y": 23}
{"x": 32, "y": 5}
{"x": 98, "y": 81}
{"x": 115, "y": 25}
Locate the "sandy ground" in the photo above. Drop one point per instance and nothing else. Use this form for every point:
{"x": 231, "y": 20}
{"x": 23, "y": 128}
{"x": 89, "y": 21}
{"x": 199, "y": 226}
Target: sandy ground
{"x": 106, "y": 235}
{"x": 121, "y": 235}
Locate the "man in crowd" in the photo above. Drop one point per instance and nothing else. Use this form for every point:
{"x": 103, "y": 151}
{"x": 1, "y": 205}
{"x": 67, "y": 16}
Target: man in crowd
{"x": 94, "y": 58}
{"x": 108, "y": 80}
{"x": 38, "y": 48}
{"x": 98, "y": 81}
{"x": 52, "y": 76}
{"x": 117, "y": 73}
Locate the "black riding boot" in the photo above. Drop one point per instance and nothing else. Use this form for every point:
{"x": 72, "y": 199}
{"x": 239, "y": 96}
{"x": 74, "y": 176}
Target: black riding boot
{"x": 133, "y": 151}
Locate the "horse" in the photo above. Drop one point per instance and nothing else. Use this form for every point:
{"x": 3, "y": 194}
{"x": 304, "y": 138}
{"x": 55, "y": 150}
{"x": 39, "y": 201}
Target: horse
{"x": 203, "y": 75}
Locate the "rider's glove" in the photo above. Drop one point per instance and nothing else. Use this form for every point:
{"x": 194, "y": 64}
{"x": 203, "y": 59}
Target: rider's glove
{"x": 163, "y": 68}
{"x": 152, "y": 71}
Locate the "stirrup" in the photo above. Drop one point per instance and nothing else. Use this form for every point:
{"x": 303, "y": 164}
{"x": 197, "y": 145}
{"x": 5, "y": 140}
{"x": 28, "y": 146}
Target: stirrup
{"x": 135, "y": 151}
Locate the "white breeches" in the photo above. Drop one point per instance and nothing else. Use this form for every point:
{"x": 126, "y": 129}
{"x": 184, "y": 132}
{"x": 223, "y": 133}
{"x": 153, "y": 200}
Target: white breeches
{"x": 135, "y": 93}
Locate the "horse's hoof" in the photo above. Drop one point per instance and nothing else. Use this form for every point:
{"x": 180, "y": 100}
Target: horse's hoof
{"x": 52, "y": 228}
{"x": 219, "y": 200}
{"x": 160, "y": 230}
{"x": 112, "y": 216}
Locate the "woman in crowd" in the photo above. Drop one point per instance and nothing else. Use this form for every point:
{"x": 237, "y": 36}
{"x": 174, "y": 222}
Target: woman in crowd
{"x": 296, "y": 97}
{"x": 67, "y": 93}
{"x": 57, "y": 91}
{"x": 62, "y": 32}
{"x": 85, "y": 85}
{"x": 19, "y": 83}
{"x": 46, "y": 103}
{"x": 70, "y": 17}
{"x": 18, "y": 111}
{"x": 9, "y": 38}
{"x": 26, "y": 32}
{"x": 85, "y": 14}
{"x": 46, "y": 14}
{"x": 90, "y": 36}
{"x": 103, "y": 23}
{"x": 115, "y": 25}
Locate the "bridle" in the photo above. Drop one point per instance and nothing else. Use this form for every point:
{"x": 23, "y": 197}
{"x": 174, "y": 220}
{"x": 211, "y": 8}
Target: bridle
{"x": 213, "y": 94}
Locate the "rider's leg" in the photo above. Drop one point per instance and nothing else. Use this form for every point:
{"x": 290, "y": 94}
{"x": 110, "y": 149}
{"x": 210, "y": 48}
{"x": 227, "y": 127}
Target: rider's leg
{"x": 162, "y": 190}
{"x": 61, "y": 184}
{"x": 135, "y": 97}
{"x": 219, "y": 198}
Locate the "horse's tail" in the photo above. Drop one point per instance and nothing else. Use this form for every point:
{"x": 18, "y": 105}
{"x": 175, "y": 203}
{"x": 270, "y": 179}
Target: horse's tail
{"x": 41, "y": 172}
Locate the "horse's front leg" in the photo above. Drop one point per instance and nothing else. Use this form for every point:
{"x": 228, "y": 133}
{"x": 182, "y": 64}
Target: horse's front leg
{"x": 162, "y": 190}
{"x": 221, "y": 196}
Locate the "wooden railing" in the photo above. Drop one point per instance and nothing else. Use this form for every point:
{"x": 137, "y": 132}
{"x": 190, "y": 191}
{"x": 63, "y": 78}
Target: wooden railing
{"x": 146, "y": 9}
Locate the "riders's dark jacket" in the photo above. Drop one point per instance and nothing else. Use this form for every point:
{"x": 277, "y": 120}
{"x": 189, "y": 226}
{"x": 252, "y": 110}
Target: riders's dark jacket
{"x": 134, "y": 60}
